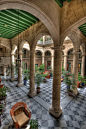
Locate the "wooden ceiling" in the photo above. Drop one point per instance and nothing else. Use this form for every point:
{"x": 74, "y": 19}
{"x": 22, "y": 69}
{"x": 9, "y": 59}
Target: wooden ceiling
{"x": 82, "y": 28}
{"x": 60, "y": 2}
{"x": 12, "y": 20}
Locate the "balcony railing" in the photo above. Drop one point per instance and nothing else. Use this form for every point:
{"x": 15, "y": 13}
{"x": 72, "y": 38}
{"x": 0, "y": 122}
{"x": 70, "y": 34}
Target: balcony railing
{"x": 46, "y": 42}
{"x": 5, "y": 54}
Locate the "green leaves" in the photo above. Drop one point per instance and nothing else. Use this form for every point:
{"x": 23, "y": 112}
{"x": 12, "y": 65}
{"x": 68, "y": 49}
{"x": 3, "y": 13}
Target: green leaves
{"x": 4, "y": 90}
{"x": 34, "y": 124}
{"x": 38, "y": 79}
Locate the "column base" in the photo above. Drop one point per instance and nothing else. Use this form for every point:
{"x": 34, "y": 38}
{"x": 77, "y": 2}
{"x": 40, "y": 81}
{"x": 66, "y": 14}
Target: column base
{"x": 12, "y": 79}
{"x": 32, "y": 94}
{"x": 55, "y": 114}
{"x": 75, "y": 92}
{"x": 19, "y": 85}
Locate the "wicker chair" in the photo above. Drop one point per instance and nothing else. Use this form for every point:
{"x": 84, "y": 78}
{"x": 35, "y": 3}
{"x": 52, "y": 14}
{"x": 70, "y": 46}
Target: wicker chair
{"x": 20, "y": 114}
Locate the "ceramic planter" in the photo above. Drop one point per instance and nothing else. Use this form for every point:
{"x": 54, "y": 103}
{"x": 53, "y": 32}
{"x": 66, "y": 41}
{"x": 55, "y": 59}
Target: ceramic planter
{"x": 78, "y": 84}
{"x": 48, "y": 76}
{"x": 25, "y": 82}
{"x": 70, "y": 93}
{"x": 82, "y": 83}
{"x": 38, "y": 89}
{"x": 2, "y": 98}
{"x": 1, "y": 85}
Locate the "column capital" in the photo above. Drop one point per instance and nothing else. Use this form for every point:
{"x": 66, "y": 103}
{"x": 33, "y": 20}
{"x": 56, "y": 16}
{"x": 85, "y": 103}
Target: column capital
{"x": 32, "y": 51}
{"x": 58, "y": 48}
{"x": 12, "y": 54}
{"x": 20, "y": 53}
{"x": 76, "y": 53}
{"x": 83, "y": 54}
{"x": 65, "y": 55}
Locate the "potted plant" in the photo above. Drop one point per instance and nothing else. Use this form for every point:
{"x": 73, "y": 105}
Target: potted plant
{"x": 67, "y": 79}
{"x": 3, "y": 92}
{"x": 34, "y": 124}
{"x": 25, "y": 80}
{"x": 70, "y": 92}
{"x": 62, "y": 72}
{"x": 1, "y": 85}
{"x": 38, "y": 81}
{"x": 2, "y": 106}
{"x": 41, "y": 68}
{"x": 50, "y": 71}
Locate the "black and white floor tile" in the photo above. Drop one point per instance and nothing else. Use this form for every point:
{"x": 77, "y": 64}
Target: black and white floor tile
{"x": 73, "y": 117}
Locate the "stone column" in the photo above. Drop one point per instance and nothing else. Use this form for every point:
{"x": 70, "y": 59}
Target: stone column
{"x": 4, "y": 71}
{"x": 65, "y": 62}
{"x": 32, "y": 91}
{"x": 75, "y": 68}
{"x": 43, "y": 40}
{"x": 20, "y": 83}
{"x": 55, "y": 108}
{"x": 83, "y": 66}
{"x": 42, "y": 59}
{"x": 12, "y": 67}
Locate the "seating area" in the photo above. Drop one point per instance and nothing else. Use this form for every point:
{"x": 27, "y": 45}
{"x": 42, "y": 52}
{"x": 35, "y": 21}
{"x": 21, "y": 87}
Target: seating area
{"x": 39, "y": 106}
{"x": 42, "y": 64}
{"x": 20, "y": 114}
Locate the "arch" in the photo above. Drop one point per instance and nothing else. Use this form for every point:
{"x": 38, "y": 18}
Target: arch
{"x": 37, "y": 10}
{"x": 38, "y": 51}
{"x": 72, "y": 27}
{"x": 47, "y": 51}
{"x": 38, "y": 37}
{"x": 82, "y": 48}
{"x": 5, "y": 42}
{"x": 22, "y": 45}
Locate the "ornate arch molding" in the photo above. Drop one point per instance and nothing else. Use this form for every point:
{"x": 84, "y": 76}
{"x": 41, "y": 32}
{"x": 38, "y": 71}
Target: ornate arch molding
{"x": 21, "y": 46}
{"x": 35, "y": 7}
{"x": 38, "y": 36}
{"x": 6, "y": 43}
{"x": 71, "y": 28}
{"x": 47, "y": 50}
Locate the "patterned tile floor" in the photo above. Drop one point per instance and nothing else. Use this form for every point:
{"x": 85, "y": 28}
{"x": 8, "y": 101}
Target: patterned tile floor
{"x": 73, "y": 117}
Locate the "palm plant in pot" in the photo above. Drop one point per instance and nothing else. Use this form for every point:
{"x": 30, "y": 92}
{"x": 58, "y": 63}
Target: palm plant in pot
{"x": 3, "y": 92}
{"x": 34, "y": 124}
{"x": 38, "y": 81}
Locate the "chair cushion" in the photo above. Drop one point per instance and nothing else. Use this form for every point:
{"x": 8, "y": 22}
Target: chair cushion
{"x": 18, "y": 110}
{"x": 22, "y": 119}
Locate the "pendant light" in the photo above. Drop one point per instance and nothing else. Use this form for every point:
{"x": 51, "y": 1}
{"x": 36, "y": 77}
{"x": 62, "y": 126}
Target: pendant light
{"x": 18, "y": 60}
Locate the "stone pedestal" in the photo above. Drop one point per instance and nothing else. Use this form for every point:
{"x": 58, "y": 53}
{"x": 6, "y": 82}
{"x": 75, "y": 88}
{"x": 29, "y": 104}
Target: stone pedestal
{"x": 65, "y": 62}
{"x": 32, "y": 91}
{"x": 75, "y": 69}
{"x": 83, "y": 66}
{"x": 20, "y": 83}
{"x": 55, "y": 109}
{"x": 12, "y": 67}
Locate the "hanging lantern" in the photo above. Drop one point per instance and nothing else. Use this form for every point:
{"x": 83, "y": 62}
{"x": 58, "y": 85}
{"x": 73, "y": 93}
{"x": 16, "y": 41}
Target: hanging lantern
{"x": 18, "y": 60}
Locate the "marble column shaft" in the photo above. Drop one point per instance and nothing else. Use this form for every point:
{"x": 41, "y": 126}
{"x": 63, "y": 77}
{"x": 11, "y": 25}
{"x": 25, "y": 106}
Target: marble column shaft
{"x": 20, "y": 83}
{"x": 12, "y": 69}
{"x": 32, "y": 91}
{"x": 55, "y": 109}
{"x": 83, "y": 66}
{"x": 65, "y": 62}
{"x": 42, "y": 59}
{"x": 75, "y": 68}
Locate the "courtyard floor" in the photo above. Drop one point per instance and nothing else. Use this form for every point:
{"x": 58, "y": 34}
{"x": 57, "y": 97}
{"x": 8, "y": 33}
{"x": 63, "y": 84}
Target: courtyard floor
{"x": 74, "y": 108}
